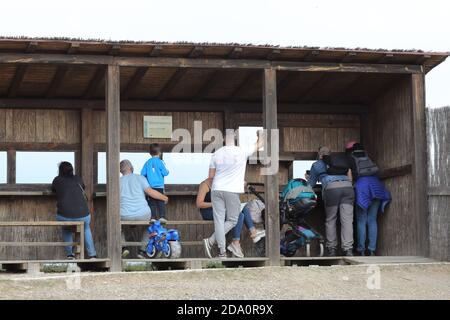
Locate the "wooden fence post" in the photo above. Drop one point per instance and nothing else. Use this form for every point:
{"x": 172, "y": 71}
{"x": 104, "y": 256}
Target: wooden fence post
{"x": 420, "y": 159}
{"x": 112, "y": 164}
{"x": 271, "y": 183}
{"x": 87, "y": 155}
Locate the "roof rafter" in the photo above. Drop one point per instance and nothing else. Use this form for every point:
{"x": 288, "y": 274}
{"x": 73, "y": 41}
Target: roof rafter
{"x": 134, "y": 82}
{"x": 306, "y": 94}
{"x": 249, "y": 79}
{"x": 177, "y": 75}
{"x": 94, "y": 82}
{"x": 20, "y": 72}
{"x": 60, "y": 73}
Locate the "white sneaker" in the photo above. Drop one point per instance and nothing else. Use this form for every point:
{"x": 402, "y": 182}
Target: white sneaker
{"x": 261, "y": 233}
{"x": 235, "y": 250}
{"x": 207, "y": 247}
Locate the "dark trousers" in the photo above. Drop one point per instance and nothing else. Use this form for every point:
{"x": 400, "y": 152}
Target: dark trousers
{"x": 158, "y": 207}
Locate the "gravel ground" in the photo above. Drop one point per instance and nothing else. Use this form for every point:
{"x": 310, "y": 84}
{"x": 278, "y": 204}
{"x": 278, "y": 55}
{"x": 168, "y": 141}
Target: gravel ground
{"x": 415, "y": 281}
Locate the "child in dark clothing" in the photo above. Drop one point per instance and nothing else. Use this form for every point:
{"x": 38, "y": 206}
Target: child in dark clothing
{"x": 155, "y": 170}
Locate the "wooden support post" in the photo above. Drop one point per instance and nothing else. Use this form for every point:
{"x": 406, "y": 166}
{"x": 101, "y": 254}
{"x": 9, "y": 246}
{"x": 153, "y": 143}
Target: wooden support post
{"x": 87, "y": 159}
{"x": 420, "y": 160}
{"x": 271, "y": 183}
{"x": 112, "y": 164}
{"x": 11, "y": 163}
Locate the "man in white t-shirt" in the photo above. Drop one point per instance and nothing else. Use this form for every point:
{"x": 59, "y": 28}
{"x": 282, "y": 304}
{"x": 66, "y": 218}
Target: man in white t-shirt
{"x": 227, "y": 171}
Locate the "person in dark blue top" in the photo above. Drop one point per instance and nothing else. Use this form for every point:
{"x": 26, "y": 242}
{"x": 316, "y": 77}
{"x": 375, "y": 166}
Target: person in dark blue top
{"x": 338, "y": 196}
{"x": 155, "y": 170}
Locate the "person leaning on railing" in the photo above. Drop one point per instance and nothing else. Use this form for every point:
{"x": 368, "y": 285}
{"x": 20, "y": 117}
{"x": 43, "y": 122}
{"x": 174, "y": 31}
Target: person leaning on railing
{"x": 71, "y": 205}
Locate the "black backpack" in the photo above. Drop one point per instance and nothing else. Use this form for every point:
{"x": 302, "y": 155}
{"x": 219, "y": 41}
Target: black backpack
{"x": 337, "y": 164}
{"x": 364, "y": 165}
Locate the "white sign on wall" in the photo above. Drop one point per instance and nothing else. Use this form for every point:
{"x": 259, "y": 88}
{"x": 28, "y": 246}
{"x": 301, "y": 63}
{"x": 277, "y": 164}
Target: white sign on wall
{"x": 158, "y": 127}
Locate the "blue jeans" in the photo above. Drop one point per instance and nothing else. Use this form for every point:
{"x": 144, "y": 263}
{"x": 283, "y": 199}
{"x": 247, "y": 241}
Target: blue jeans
{"x": 67, "y": 234}
{"x": 367, "y": 218}
{"x": 207, "y": 214}
{"x": 244, "y": 217}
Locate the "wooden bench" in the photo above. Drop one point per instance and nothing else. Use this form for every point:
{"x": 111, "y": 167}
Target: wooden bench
{"x": 200, "y": 263}
{"x": 169, "y": 223}
{"x": 34, "y": 266}
{"x": 77, "y": 227}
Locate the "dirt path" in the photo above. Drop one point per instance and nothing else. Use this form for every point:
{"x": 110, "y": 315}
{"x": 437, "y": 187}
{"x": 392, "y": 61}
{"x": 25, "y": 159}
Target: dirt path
{"x": 421, "y": 281}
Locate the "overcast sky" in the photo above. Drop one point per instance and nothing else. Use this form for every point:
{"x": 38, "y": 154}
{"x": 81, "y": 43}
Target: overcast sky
{"x": 377, "y": 24}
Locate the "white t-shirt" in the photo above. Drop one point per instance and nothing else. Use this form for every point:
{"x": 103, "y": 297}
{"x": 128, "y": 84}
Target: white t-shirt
{"x": 230, "y": 163}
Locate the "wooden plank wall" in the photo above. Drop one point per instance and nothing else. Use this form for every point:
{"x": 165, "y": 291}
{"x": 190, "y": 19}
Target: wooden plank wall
{"x": 438, "y": 134}
{"x": 132, "y": 124}
{"x": 39, "y": 126}
{"x": 307, "y": 132}
{"x": 51, "y": 127}
{"x": 390, "y": 121}
{"x": 42, "y": 129}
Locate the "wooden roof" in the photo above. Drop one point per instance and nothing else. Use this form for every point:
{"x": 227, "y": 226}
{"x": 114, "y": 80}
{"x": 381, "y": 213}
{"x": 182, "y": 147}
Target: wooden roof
{"x": 43, "y": 80}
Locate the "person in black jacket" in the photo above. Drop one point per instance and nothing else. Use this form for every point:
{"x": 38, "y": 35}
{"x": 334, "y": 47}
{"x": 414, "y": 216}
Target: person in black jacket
{"x": 71, "y": 205}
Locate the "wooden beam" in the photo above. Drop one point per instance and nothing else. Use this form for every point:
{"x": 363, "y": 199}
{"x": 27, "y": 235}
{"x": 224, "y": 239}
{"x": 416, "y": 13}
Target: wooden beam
{"x": 73, "y": 48}
{"x": 422, "y": 59}
{"x": 115, "y": 50}
{"x": 395, "y": 172}
{"x": 39, "y": 146}
{"x": 134, "y": 82}
{"x": 312, "y": 55}
{"x": 152, "y": 105}
{"x": 171, "y": 83}
{"x": 349, "y": 56}
{"x": 11, "y": 166}
{"x": 178, "y": 75}
{"x": 20, "y": 72}
{"x": 31, "y": 47}
{"x": 306, "y": 94}
{"x": 24, "y": 58}
{"x": 274, "y": 54}
{"x": 57, "y": 80}
{"x": 165, "y": 147}
{"x": 16, "y": 81}
{"x": 94, "y": 82}
{"x": 206, "y": 87}
{"x": 271, "y": 181}
{"x": 419, "y": 149}
{"x": 387, "y": 58}
{"x": 343, "y": 93}
{"x": 87, "y": 157}
{"x": 156, "y": 51}
{"x": 248, "y": 81}
{"x": 235, "y": 53}
{"x": 113, "y": 158}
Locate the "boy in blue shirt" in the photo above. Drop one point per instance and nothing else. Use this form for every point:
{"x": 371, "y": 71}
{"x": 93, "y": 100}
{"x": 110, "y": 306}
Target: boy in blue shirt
{"x": 155, "y": 170}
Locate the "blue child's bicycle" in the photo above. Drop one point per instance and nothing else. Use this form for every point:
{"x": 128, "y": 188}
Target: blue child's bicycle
{"x": 163, "y": 243}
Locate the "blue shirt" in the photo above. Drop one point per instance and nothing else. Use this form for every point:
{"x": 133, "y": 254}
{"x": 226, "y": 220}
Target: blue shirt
{"x": 132, "y": 196}
{"x": 155, "y": 171}
{"x": 318, "y": 172}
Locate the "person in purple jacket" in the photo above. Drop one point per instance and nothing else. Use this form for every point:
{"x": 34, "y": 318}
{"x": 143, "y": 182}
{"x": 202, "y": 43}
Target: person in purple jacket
{"x": 371, "y": 197}
{"x": 155, "y": 170}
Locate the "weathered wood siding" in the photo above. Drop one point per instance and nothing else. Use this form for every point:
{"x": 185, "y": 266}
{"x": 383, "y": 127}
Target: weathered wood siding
{"x": 387, "y": 134}
{"x": 39, "y": 126}
{"x": 132, "y": 124}
{"x": 307, "y": 132}
{"x": 438, "y": 133}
